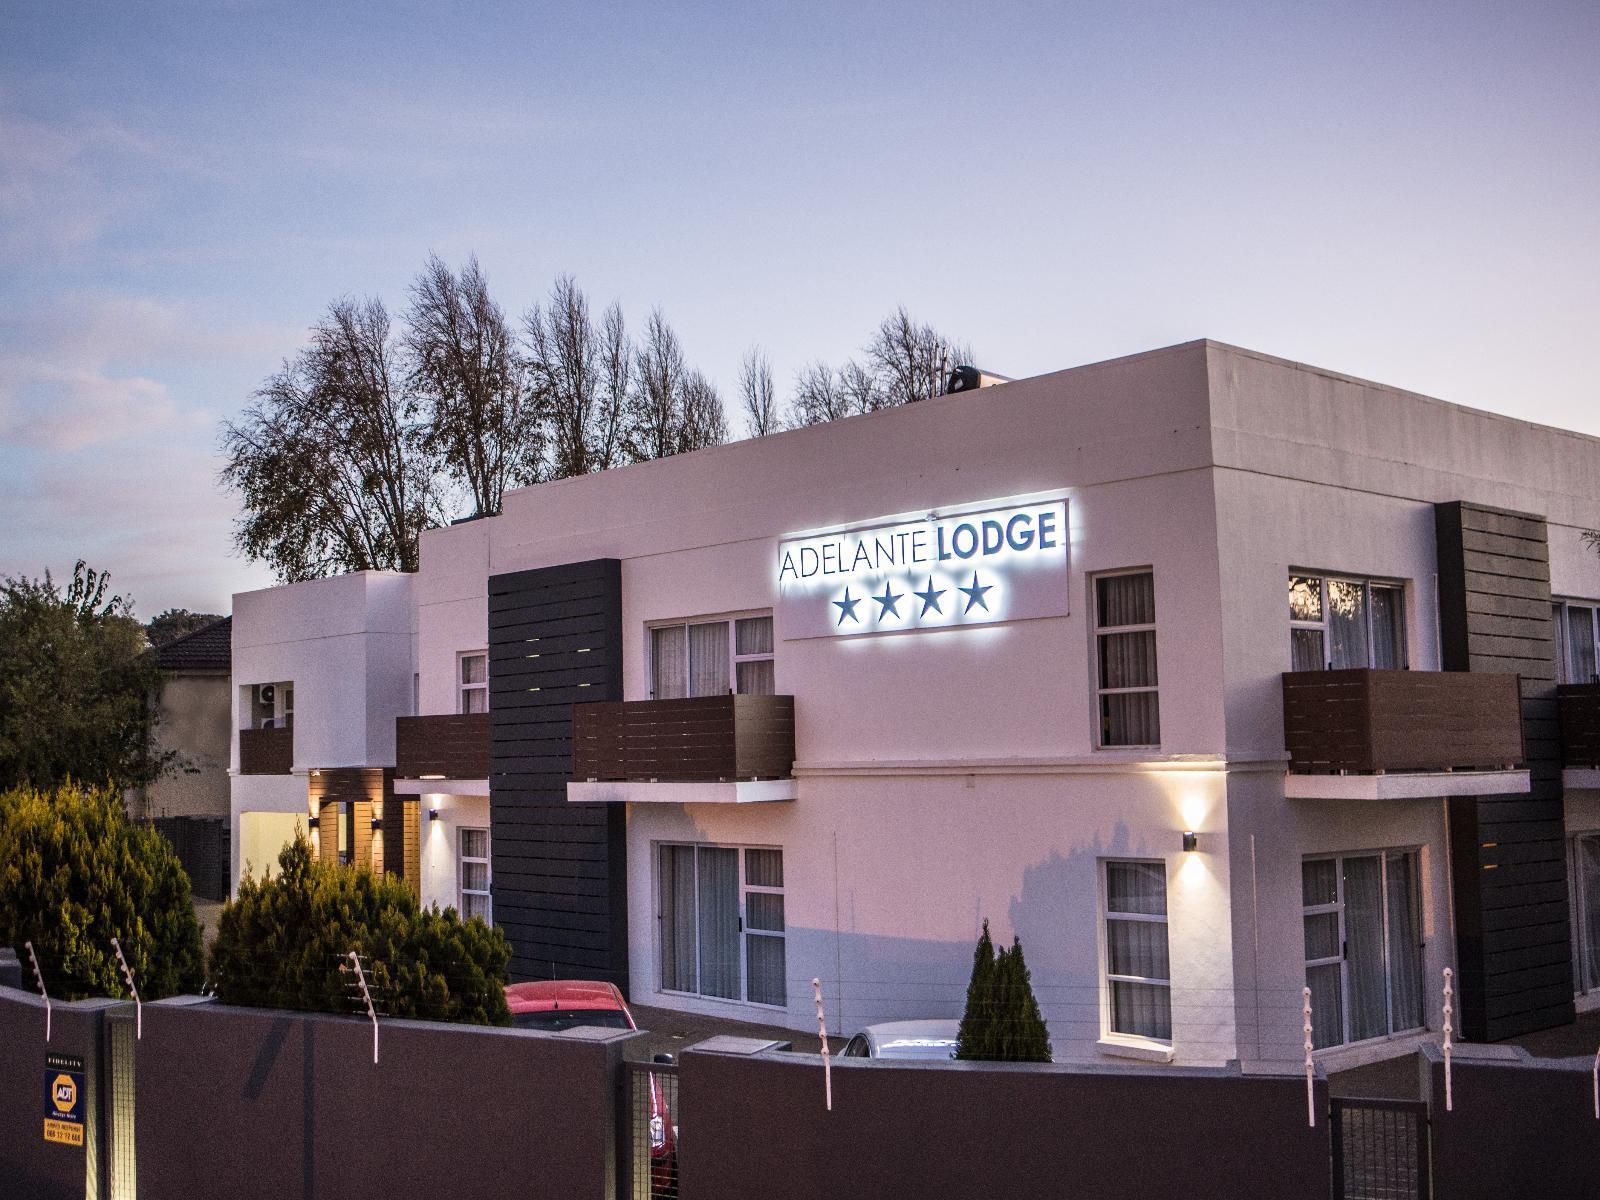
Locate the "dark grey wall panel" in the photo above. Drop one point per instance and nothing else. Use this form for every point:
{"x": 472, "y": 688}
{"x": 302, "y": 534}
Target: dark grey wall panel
{"x": 1508, "y": 853}
{"x": 560, "y": 870}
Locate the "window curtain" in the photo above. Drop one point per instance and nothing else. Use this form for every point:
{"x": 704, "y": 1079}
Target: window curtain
{"x": 1347, "y": 623}
{"x": 1319, "y": 885}
{"x": 1363, "y": 933}
{"x": 1589, "y": 865}
{"x": 753, "y": 635}
{"x": 1305, "y": 650}
{"x": 1126, "y": 600}
{"x": 1388, "y": 628}
{"x": 677, "y": 919}
{"x": 1405, "y": 949}
{"x": 719, "y": 922}
{"x": 708, "y": 659}
{"x": 1138, "y": 948}
{"x": 764, "y": 953}
{"x": 1327, "y": 1010}
{"x": 1580, "y": 645}
{"x": 669, "y": 662}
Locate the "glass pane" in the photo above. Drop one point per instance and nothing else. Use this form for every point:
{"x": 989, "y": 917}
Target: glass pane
{"x": 669, "y": 662}
{"x": 708, "y": 659}
{"x": 766, "y": 966}
{"x": 1405, "y": 949}
{"x": 1589, "y": 868}
{"x": 1322, "y": 936}
{"x": 1388, "y": 628}
{"x": 1305, "y": 598}
{"x": 1141, "y": 1009}
{"x": 719, "y": 922}
{"x": 1347, "y": 624}
{"x": 475, "y": 700}
{"x": 475, "y": 906}
{"x": 1137, "y": 948}
{"x": 1327, "y": 1012}
{"x": 755, "y": 678}
{"x": 1126, "y": 600}
{"x": 763, "y": 868}
{"x": 1136, "y": 887}
{"x": 1580, "y": 644}
{"x": 475, "y": 876}
{"x": 1319, "y": 882}
{"x": 763, "y": 910}
{"x": 1305, "y": 650}
{"x": 1130, "y": 719}
{"x": 474, "y": 843}
{"x": 752, "y": 635}
{"x": 474, "y": 668}
{"x": 677, "y": 919}
{"x": 1363, "y": 933}
{"x": 1128, "y": 659}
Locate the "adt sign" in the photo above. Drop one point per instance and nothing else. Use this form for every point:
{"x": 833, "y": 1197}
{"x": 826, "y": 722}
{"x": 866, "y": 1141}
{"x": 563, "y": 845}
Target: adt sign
{"x": 970, "y": 568}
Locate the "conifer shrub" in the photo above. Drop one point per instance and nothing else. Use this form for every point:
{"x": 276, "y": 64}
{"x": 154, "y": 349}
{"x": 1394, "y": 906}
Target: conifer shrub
{"x": 74, "y": 873}
{"x": 1002, "y": 1022}
{"x": 283, "y": 942}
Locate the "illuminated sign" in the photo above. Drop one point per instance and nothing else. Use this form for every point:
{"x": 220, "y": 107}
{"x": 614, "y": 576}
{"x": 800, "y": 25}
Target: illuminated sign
{"x": 970, "y": 568}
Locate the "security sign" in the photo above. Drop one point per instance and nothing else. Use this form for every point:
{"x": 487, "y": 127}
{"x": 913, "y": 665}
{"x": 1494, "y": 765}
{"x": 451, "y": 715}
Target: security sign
{"x": 63, "y": 1099}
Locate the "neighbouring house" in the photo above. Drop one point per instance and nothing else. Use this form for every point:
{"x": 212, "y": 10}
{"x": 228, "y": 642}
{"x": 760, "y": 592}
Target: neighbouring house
{"x": 1215, "y": 677}
{"x": 192, "y": 805}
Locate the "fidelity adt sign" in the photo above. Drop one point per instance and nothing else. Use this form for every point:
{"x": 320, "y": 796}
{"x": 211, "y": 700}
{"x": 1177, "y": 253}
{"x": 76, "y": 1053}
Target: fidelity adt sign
{"x": 972, "y": 568}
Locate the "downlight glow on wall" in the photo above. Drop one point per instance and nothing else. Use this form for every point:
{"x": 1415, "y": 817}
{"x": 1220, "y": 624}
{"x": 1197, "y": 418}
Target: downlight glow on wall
{"x": 968, "y": 568}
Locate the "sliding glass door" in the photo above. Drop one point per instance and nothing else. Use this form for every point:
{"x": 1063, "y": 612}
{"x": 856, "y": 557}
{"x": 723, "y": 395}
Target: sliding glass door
{"x": 722, "y": 922}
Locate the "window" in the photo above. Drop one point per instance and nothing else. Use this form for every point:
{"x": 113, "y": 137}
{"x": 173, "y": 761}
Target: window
{"x": 473, "y": 873}
{"x": 712, "y": 658}
{"x": 1337, "y": 623}
{"x": 721, "y": 921}
{"x": 1125, "y": 654}
{"x": 1586, "y": 912}
{"x": 1576, "y": 642}
{"x": 473, "y": 677}
{"x": 1138, "y": 975}
{"x": 1363, "y": 946}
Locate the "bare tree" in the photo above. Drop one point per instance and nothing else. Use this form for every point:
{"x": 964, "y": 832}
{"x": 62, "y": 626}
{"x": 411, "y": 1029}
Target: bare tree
{"x": 671, "y": 408}
{"x": 818, "y": 396}
{"x": 909, "y": 360}
{"x": 329, "y": 459}
{"x": 704, "y": 420}
{"x": 483, "y": 421}
{"x": 616, "y": 381}
{"x": 756, "y": 391}
{"x": 583, "y": 373}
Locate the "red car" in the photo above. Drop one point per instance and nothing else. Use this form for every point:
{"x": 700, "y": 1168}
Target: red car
{"x": 556, "y": 1004}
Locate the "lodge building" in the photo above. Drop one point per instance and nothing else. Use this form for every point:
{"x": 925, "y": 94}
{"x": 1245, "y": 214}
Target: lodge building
{"x": 1211, "y": 676}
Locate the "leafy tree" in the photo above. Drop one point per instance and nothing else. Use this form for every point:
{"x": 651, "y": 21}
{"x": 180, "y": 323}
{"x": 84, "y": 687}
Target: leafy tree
{"x": 74, "y": 873}
{"x": 331, "y": 460}
{"x": 75, "y": 686}
{"x": 282, "y": 942}
{"x": 1002, "y": 1022}
{"x": 482, "y": 420}
{"x": 176, "y": 623}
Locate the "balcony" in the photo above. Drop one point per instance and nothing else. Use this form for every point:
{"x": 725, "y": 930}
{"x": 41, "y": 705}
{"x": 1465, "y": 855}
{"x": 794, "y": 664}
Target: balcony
{"x": 1580, "y": 734}
{"x": 451, "y": 747}
{"x": 1369, "y": 734}
{"x": 708, "y": 749}
{"x": 266, "y": 751}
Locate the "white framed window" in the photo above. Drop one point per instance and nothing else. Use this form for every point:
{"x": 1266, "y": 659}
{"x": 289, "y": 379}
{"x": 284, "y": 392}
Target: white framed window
{"x": 1584, "y": 855}
{"x": 472, "y": 874}
{"x": 472, "y": 682}
{"x": 712, "y": 657}
{"x": 1577, "y": 635}
{"x": 1363, "y": 945}
{"x": 1137, "y": 968}
{"x": 1126, "y": 680}
{"x": 721, "y": 923}
{"x": 1336, "y": 623}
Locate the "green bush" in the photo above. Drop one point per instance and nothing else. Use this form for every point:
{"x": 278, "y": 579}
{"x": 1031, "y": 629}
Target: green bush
{"x": 284, "y": 941}
{"x": 1002, "y": 1022}
{"x": 74, "y": 874}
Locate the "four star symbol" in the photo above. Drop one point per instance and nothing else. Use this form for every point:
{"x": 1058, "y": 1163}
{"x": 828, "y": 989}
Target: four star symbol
{"x": 847, "y": 607}
{"x": 888, "y": 600}
{"x": 975, "y": 593}
{"x": 930, "y": 598}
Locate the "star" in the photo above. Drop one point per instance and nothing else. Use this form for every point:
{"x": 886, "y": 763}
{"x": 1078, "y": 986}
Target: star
{"x": 975, "y": 594}
{"x": 847, "y": 607}
{"x": 889, "y": 602}
{"x": 930, "y": 598}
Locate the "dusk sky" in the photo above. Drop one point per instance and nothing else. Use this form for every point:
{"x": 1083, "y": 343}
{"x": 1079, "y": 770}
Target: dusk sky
{"x": 1408, "y": 192}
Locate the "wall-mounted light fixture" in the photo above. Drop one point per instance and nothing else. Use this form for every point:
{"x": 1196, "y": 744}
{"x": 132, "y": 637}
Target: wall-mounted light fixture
{"x": 433, "y": 814}
{"x": 377, "y": 822}
{"x": 1191, "y": 840}
{"x": 313, "y": 822}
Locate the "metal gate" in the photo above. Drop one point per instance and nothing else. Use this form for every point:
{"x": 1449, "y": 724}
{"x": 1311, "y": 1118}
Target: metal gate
{"x": 649, "y": 1130}
{"x": 1380, "y": 1149}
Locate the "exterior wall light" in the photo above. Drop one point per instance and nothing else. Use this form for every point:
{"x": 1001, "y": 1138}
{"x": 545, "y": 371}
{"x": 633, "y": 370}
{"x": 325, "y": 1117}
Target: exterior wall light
{"x": 433, "y": 814}
{"x": 1191, "y": 840}
{"x": 377, "y": 822}
{"x": 313, "y": 822}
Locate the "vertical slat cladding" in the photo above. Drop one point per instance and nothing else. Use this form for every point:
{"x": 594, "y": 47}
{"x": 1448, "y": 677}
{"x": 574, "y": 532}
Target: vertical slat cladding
{"x": 266, "y": 751}
{"x": 559, "y": 870}
{"x": 1507, "y": 852}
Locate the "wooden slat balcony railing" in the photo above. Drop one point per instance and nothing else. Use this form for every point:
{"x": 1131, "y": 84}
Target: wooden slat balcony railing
{"x": 446, "y": 746}
{"x": 707, "y": 739}
{"x": 266, "y": 751}
{"x": 1376, "y": 721}
{"x": 1580, "y": 725}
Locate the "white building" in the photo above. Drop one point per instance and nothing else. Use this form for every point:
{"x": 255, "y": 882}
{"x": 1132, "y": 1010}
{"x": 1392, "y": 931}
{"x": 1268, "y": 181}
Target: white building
{"x": 1036, "y": 636}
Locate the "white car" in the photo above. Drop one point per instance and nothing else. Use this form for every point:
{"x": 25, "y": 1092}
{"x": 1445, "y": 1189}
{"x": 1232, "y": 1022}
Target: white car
{"x": 905, "y": 1039}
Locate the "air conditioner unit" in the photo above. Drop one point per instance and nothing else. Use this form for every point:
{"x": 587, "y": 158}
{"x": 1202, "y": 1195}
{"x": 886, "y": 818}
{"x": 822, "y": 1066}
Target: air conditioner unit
{"x": 266, "y": 695}
{"x": 967, "y": 378}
